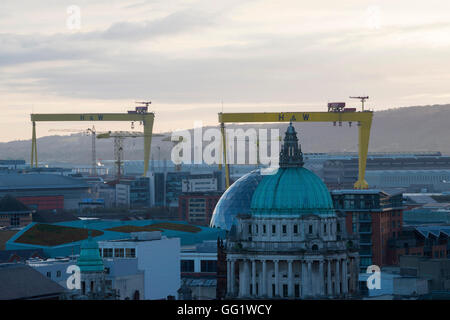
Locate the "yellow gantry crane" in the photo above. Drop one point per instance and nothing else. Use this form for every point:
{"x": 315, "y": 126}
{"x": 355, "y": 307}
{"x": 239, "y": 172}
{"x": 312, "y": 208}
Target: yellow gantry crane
{"x": 337, "y": 113}
{"x": 140, "y": 114}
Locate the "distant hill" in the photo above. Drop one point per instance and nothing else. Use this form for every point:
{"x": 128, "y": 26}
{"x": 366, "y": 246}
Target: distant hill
{"x": 420, "y": 128}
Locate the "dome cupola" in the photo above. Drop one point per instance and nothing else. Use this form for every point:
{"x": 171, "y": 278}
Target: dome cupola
{"x": 292, "y": 191}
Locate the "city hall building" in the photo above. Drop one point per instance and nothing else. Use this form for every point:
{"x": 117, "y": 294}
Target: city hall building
{"x": 292, "y": 243}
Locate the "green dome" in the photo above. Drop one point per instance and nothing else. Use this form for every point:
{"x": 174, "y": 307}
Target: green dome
{"x": 89, "y": 259}
{"x": 292, "y": 192}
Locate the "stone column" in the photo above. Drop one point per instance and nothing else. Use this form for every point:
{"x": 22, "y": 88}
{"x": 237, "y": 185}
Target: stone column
{"x": 247, "y": 277}
{"x": 241, "y": 282}
{"x": 350, "y": 270}
{"x": 310, "y": 276}
{"x": 232, "y": 281}
{"x": 321, "y": 278}
{"x": 264, "y": 278}
{"x": 337, "y": 277}
{"x": 290, "y": 280}
{"x": 228, "y": 276}
{"x": 277, "y": 279}
{"x": 344, "y": 277}
{"x": 253, "y": 278}
{"x": 304, "y": 280}
{"x": 329, "y": 288}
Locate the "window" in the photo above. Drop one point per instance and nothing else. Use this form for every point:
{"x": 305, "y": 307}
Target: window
{"x": 130, "y": 252}
{"x": 338, "y": 227}
{"x": 310, "y": 229}
{"x": 208, "y": 266}
{"x": 324, "y": 228}
{"x": 249, "y": 229}
{"x": 295, "y": 228}
{"x": 107, "y": 252}
{"x": 49, "y": 274}
{"x": 119, "y": 252}
{"x": 284, "y": 229}
{"x": 297, "y": 291}
{"x": 58, "y": 274}
{"x": 274, "y": 228}
{"x": 285, "y": 290}
{"x": 256, "y": 226}
{"x": 264, "y": 228}
{"x": 187, "y": 266}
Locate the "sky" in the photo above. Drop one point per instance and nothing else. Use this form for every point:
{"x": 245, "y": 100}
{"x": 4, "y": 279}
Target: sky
{"x": 195, "y": 58}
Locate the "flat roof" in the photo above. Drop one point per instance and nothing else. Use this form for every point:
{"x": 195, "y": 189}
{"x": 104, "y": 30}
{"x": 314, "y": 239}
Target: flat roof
{"x": 18, "y": 181}
{"x": 111, "y": 230}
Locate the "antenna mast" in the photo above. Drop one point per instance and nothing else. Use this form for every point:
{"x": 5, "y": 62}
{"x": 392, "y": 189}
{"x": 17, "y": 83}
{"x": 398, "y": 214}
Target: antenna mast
{"x": 363, "y": 99}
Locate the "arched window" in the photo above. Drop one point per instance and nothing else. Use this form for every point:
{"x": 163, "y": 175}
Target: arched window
{"x": 315, "y": 247}
{"x": 136, "y": 295}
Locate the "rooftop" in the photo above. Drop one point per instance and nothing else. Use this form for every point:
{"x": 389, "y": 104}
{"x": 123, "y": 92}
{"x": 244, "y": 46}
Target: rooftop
{"x": 16, "y": 181}
{"x": 20, "y": 281}
{"x": 65, "y": 238}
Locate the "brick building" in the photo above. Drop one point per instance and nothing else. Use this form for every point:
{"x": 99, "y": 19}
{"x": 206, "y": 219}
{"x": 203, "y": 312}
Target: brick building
{"x": 13, "y": 213}
{"x": 425, "y": 241}
{"x": 197, "y": 208}
{"x": 376, "y": 217}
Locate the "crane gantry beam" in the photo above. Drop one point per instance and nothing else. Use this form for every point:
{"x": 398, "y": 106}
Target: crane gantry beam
{"x": 364, "y": 120}
{"x": 143, "y": 116}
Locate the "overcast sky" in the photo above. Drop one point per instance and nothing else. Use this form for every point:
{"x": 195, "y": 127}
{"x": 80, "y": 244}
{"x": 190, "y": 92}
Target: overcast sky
{"x": 189, "y": 56}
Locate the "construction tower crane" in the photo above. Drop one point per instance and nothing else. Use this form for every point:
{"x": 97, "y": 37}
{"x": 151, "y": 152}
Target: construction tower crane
{"x": 119, "y": 137}
{"x": 89, "y": 131}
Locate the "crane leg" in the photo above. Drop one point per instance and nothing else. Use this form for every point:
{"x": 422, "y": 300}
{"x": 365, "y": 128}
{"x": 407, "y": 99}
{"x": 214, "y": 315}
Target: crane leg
{"x": 363, "y": 146}
{"x": 224, "y": 148}
{"x": 148, "y": 127}
{"x": 33, "y": 147}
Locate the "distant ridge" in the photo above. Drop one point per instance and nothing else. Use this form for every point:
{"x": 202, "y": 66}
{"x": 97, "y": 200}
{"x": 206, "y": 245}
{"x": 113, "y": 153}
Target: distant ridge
{"x": 415, "y": 129}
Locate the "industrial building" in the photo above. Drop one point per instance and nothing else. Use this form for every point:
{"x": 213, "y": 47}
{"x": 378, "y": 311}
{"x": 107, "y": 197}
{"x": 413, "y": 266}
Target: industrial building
{"x": 44, "y": 191}
{"x": 430, "y": 241}
{"x": 392, "y": 170}
{"x": 13, "y": 213}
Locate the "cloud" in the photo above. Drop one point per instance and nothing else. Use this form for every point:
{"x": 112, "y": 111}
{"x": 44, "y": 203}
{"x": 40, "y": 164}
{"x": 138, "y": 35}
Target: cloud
{"x": 178, "y": 22}
{"x": 202, "y": 52}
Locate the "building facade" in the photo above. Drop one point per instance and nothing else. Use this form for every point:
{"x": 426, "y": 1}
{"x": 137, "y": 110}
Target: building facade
{"x": 156, "y": 256}
{"x": 197, "y": 207}
{"x": 375, "y": 218}
{"x": 292, "y": 244}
